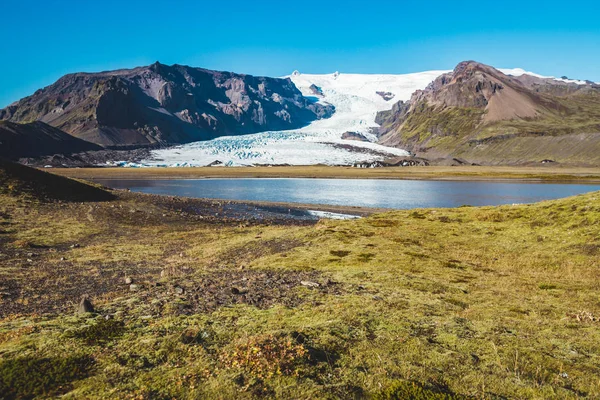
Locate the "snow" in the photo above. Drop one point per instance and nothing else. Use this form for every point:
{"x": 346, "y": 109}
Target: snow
{"x": 357, "y": 103}
{"x": 331, "y": 215}
{"x": 520, "y": 71}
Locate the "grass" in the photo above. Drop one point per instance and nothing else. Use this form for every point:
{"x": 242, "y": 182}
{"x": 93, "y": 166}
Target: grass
{"x": 545, "y": 173}
{"x": 492, "y": 302}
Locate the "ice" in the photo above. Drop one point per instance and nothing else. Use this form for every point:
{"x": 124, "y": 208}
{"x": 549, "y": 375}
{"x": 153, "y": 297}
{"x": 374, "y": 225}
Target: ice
{"x": 357, "y": 103}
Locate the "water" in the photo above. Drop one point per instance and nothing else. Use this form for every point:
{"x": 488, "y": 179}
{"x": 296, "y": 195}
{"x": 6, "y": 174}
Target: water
{"x": 397, "y": 194}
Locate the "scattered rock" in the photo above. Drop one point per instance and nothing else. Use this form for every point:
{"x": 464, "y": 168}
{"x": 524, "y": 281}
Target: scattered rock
{"x": 62, "y": 259}
{"x": 85, "y": 306}
{"x": 179, "y": 290}
{"x": 128, "y": 281}
{"x": 134, "y": 288}
{"x": 75, "y": 246}
{"x": 309, "y": 284}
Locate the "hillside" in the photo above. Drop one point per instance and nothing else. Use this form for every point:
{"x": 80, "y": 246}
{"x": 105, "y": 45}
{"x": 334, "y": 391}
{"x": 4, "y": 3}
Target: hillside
{"x": 20, "y": 181}
{"x": 38, "y": 139}
{"x": 480, "y": 114}
{"x": 492, "y": 302}
{"x": 162, "y": 105}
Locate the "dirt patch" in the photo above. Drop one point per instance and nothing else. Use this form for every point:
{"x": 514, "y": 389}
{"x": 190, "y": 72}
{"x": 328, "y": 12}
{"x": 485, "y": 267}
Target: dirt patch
{"x": 43, "y": 288}
{"x": 216, "y": 289}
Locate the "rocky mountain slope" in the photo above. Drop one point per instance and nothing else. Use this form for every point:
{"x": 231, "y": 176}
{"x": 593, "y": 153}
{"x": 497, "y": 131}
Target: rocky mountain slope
{"x": 481, "y": 114}
{"x": 161, "y": 105}
{"x": 37, "y": 139}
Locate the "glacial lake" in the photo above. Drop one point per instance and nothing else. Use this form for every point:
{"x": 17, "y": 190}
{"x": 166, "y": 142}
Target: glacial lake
{"x": 394, "y": 194}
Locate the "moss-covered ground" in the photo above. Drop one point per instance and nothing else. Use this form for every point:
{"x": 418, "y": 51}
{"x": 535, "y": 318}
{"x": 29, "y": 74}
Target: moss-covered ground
{"x": 494, "y": 302}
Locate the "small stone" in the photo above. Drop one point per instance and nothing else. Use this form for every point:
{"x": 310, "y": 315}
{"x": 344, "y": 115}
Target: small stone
{"x": 128, "y": 280}
{"x": 85, "y": 306}
{"x": 309, "y": 284}
{"x": 179, "y": 290}
{"x": 29, "y": 260}
{"x": 30, "y": 254}
{"x": 75, "y": 246}
{"x": 134, "y": 288}
{"x": 62, "y": 259}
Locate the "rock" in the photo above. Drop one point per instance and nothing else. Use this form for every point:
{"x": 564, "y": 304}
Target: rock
{"x": 235, "y": 290}
{"x": 75, "y": 246}
{"x": 62, "y": 259}
{"x": 309, "y": 284}
{"x": 134, "y": 288}
{"x": 179, "y": 290}
{"x": 128, "y": 281}
{"x": 85, "y": 306}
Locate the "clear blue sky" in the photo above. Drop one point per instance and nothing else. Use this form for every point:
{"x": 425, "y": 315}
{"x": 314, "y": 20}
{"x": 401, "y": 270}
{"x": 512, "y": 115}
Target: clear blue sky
{"x": 43, "y": 40}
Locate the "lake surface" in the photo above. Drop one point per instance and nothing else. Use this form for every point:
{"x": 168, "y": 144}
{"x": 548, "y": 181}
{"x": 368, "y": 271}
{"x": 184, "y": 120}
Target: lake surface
{"x": 398, "y": 194}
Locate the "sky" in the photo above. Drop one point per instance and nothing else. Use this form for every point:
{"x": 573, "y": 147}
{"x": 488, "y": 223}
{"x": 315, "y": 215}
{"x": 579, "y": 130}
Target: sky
{"x": 43, "y": 40}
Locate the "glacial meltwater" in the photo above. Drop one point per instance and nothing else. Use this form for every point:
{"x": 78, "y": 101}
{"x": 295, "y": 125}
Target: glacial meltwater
{"x": 395, "y": 194}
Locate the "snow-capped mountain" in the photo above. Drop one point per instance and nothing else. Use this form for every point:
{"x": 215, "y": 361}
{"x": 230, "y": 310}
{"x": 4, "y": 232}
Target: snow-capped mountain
{"x": 357, "y": 99}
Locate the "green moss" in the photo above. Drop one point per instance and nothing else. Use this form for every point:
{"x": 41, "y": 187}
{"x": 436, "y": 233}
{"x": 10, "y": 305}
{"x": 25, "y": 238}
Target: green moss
{"x": 404, "y": 390}
{"x": 25, "y": 377}
{"x": 99, "y": 332}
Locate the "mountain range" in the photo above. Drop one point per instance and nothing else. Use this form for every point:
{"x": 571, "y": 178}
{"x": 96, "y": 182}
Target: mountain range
{"x": 162, "y": 105}
{"x": 475, "y": 113}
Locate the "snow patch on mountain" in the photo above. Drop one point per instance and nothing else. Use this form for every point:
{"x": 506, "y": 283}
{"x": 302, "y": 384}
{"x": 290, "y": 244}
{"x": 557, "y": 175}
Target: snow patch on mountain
{"x": 520, "y": 71}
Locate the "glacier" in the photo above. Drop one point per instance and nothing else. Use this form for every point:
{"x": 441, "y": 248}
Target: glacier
{"x": 356, "y": 100}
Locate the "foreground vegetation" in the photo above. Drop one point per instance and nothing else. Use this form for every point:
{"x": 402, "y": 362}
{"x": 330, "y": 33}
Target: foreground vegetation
{"x": 494, "y": 302}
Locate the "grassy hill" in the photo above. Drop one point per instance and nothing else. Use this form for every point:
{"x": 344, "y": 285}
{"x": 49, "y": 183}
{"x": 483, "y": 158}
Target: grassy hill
{"x": 493, "y": 302}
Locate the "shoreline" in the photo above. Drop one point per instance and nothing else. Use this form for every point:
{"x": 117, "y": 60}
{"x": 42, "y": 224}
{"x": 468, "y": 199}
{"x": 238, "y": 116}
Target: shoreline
{"x": 458, "y": 173}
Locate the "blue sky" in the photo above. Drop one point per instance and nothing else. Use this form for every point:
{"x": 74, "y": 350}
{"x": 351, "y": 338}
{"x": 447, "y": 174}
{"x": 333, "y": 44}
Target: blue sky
{"x": 43, "y": 40}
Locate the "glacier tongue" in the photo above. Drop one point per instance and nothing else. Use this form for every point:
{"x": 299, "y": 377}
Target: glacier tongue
{"x": 357, "y": 99}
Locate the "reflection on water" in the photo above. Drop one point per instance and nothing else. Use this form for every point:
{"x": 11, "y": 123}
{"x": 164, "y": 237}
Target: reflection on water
{"x": 399, "y": 194}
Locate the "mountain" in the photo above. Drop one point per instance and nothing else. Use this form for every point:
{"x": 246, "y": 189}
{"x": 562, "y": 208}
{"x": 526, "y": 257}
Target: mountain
{"x": 483, "y": 115}
{"x": 162, "y": 105}
{"x": 38, "y": 139}
{"x": 356, "y": 97}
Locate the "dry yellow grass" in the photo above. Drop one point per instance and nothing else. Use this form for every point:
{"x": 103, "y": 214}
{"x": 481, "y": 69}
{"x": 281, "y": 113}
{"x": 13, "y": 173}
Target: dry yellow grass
{"x": 431, "y": 172}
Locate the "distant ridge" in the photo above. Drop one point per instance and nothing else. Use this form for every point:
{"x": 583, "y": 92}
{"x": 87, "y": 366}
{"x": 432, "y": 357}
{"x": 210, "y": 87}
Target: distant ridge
{"x": 38, "y": 139}
{"x": 19, "y": 180}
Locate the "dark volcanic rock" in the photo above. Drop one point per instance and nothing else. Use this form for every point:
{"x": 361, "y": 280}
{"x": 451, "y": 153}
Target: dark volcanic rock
{"x": 354, "y": 136}
{"x": 85, "y": 306}
{"x": 162, "y": 105}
